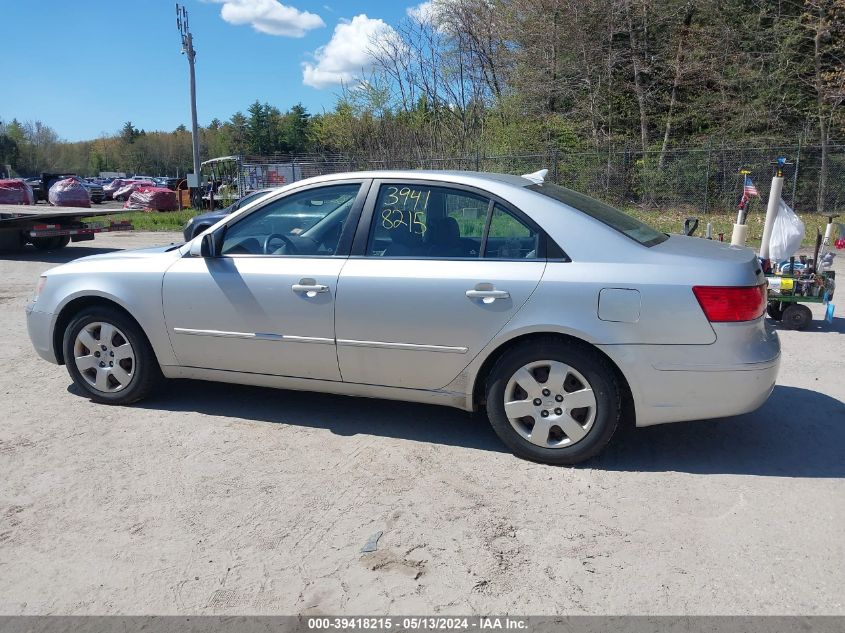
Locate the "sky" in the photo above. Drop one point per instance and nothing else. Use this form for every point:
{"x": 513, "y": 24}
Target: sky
{"x": 86, "y": 67}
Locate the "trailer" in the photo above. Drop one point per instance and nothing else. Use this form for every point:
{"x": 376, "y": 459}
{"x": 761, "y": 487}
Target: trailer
{"x": 52, "y": 228}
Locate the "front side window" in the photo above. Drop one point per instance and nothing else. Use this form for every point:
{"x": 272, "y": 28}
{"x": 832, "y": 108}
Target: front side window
{"x": 427, "y": 221}
{"x": 309, "y": 222}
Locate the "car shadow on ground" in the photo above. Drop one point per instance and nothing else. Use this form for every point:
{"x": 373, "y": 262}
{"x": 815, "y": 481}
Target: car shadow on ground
{"x": 342, "y": 415}
{"x": 61, "y": 256}
{"x": 816, "y": 325}
{"x": 797, "y": 433}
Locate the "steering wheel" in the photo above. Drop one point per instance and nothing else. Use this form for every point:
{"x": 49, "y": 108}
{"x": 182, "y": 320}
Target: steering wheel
{"x": 287, "y": 242}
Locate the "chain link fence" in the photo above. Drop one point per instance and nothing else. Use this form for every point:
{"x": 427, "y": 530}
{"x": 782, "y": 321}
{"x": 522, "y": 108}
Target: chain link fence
{"x": 703, "y": 180}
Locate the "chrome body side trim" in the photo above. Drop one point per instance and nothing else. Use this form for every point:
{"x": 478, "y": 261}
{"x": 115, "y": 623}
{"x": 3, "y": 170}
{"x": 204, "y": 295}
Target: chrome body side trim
{"x": 261, "y": 336}
{"x": 413, "y": 347}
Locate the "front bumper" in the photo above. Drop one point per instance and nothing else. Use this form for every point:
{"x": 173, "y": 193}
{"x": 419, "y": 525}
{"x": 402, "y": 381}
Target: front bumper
{"x": 39, "y": 326}
{"x": 675, "y": 383}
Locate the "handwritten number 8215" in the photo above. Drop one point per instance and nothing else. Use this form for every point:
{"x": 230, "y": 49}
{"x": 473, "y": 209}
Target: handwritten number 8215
{"x": 393, "y": 219}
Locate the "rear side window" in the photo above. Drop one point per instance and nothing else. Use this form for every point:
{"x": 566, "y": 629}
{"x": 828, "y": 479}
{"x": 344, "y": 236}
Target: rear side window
{"x": 436, "y": 222}
{"x": 510, "y": 238}
{"x": 615, "y": 219}
{"x": 427, "y": 221}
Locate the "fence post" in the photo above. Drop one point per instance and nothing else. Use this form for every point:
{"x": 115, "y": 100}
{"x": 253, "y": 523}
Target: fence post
{"x": 554, "y": 166}
{"x": 707, "y": 177}
{"x": 795, "y": 173}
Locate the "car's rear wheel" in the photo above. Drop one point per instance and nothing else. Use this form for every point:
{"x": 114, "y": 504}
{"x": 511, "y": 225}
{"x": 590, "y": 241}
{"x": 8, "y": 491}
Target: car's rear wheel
{"x": 554, "y": 402}
{"x": 109, "y": 357}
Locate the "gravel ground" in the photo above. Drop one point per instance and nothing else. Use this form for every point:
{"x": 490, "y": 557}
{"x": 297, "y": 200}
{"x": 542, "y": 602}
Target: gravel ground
{"x": 219, "y": 499}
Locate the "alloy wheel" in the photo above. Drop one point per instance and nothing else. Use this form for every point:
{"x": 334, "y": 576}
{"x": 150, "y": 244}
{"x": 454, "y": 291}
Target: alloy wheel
{"x": 550, "y": 404}
{"x": 104, "y": 357}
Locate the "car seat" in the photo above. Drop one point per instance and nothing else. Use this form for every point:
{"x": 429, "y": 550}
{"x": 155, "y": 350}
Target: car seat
{"x": 444, "y": 238}
{"x": 403, "y": 243}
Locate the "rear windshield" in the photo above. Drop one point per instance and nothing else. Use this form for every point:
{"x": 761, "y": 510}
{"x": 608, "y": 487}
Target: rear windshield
{"x": 622, "y": 222}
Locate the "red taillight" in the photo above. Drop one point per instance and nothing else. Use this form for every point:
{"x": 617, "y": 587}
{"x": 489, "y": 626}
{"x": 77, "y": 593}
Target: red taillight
{"x": 731, "y": 303}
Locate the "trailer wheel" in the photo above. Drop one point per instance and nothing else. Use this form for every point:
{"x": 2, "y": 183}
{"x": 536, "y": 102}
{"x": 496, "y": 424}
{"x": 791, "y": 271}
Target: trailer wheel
{"x": 797, "y": 317}
{"x": 50, "y": 243}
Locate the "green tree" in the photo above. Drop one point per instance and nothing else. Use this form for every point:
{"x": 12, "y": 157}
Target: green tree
{"x": 129, "y": 132}
{"x": 295, "y": 126}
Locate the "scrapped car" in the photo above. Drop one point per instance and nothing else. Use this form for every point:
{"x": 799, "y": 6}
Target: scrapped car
{"x": 124, "y": 193}
{"x": 201, "y": 222}
{"x": 557, "y": 314}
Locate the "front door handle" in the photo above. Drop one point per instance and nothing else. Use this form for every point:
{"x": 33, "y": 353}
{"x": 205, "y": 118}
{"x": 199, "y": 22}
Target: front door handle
{"x": 310, "y": 289}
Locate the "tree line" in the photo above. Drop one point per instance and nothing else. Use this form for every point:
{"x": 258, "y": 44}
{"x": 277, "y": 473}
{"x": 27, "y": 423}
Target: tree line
{"x": 457, "y": 77}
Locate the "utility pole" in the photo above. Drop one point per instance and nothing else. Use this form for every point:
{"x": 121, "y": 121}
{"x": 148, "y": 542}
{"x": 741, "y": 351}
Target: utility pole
{"x": 188, "y": 49}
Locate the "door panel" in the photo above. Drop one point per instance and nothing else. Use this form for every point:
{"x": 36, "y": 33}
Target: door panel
{"x": 409, "y": 322}
{"x": 244, "y": 314}
{"x": 267, "y": 304}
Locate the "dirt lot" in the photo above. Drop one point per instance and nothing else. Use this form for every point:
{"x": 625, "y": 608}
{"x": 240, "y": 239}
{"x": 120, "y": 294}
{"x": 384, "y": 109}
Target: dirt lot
{"x": 224, "y": 499}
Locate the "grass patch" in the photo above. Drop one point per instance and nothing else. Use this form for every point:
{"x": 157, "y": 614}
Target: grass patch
{"x": 153, "y": 221}
{"x": 672, "y": 221}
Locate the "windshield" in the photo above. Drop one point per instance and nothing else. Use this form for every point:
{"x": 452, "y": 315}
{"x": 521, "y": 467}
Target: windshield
{"x": 615, "y": 219}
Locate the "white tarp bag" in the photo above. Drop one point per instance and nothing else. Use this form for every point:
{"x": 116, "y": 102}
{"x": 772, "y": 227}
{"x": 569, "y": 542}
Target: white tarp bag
{"x": 787, "y": 233}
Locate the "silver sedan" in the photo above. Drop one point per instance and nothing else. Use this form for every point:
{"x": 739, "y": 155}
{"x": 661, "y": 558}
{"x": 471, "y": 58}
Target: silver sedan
{"x": 557, "y": 314}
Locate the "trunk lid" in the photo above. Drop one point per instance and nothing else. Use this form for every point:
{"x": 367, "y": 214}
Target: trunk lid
{"x": 716, "y": 263}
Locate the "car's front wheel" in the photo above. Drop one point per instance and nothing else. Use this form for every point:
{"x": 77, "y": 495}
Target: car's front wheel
{"x": 554, "y": 402}
{"x": 109, "y": 357}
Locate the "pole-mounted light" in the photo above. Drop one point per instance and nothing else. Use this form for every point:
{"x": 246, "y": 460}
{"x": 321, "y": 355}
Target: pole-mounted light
{"x": 188, "y": 50}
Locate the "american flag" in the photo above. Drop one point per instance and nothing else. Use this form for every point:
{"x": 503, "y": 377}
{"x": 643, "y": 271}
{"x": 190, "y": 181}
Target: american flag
{"x": 749, "y": 189}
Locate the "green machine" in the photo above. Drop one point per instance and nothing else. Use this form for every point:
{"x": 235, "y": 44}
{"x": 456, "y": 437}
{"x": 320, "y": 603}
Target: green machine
{"x": 798, "y": 283}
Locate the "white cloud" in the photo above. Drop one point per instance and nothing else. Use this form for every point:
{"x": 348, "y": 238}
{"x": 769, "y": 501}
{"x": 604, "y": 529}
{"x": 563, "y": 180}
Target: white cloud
{"x": 347, "y": 55}
{"x": 269, "y": 16}
{"x": 435, "y": 13}
{"x": 424, "y": 12}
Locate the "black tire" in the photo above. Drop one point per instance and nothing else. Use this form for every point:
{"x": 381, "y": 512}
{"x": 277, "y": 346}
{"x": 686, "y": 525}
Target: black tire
{"x": 146, "y": 373}
{"x": 584, "y": 360}
{"x": 796, "y": 317}
{"x": 775, "y": 310}
{"x": 48, "y": 243}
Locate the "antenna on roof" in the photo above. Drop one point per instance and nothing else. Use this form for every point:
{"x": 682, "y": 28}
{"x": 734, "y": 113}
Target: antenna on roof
{"x": 537, "y": 177}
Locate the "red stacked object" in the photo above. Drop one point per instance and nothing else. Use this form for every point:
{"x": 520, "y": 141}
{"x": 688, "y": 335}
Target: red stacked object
{"x": 152, "y": 199}
{"x": 15, "y": 192}
{"x": 130, "y": 186}
{"x": 69, "y": 193}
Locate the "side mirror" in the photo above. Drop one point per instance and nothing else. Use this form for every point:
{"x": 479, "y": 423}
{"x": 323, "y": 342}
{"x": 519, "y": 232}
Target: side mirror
{"x": 204, "y": 246}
